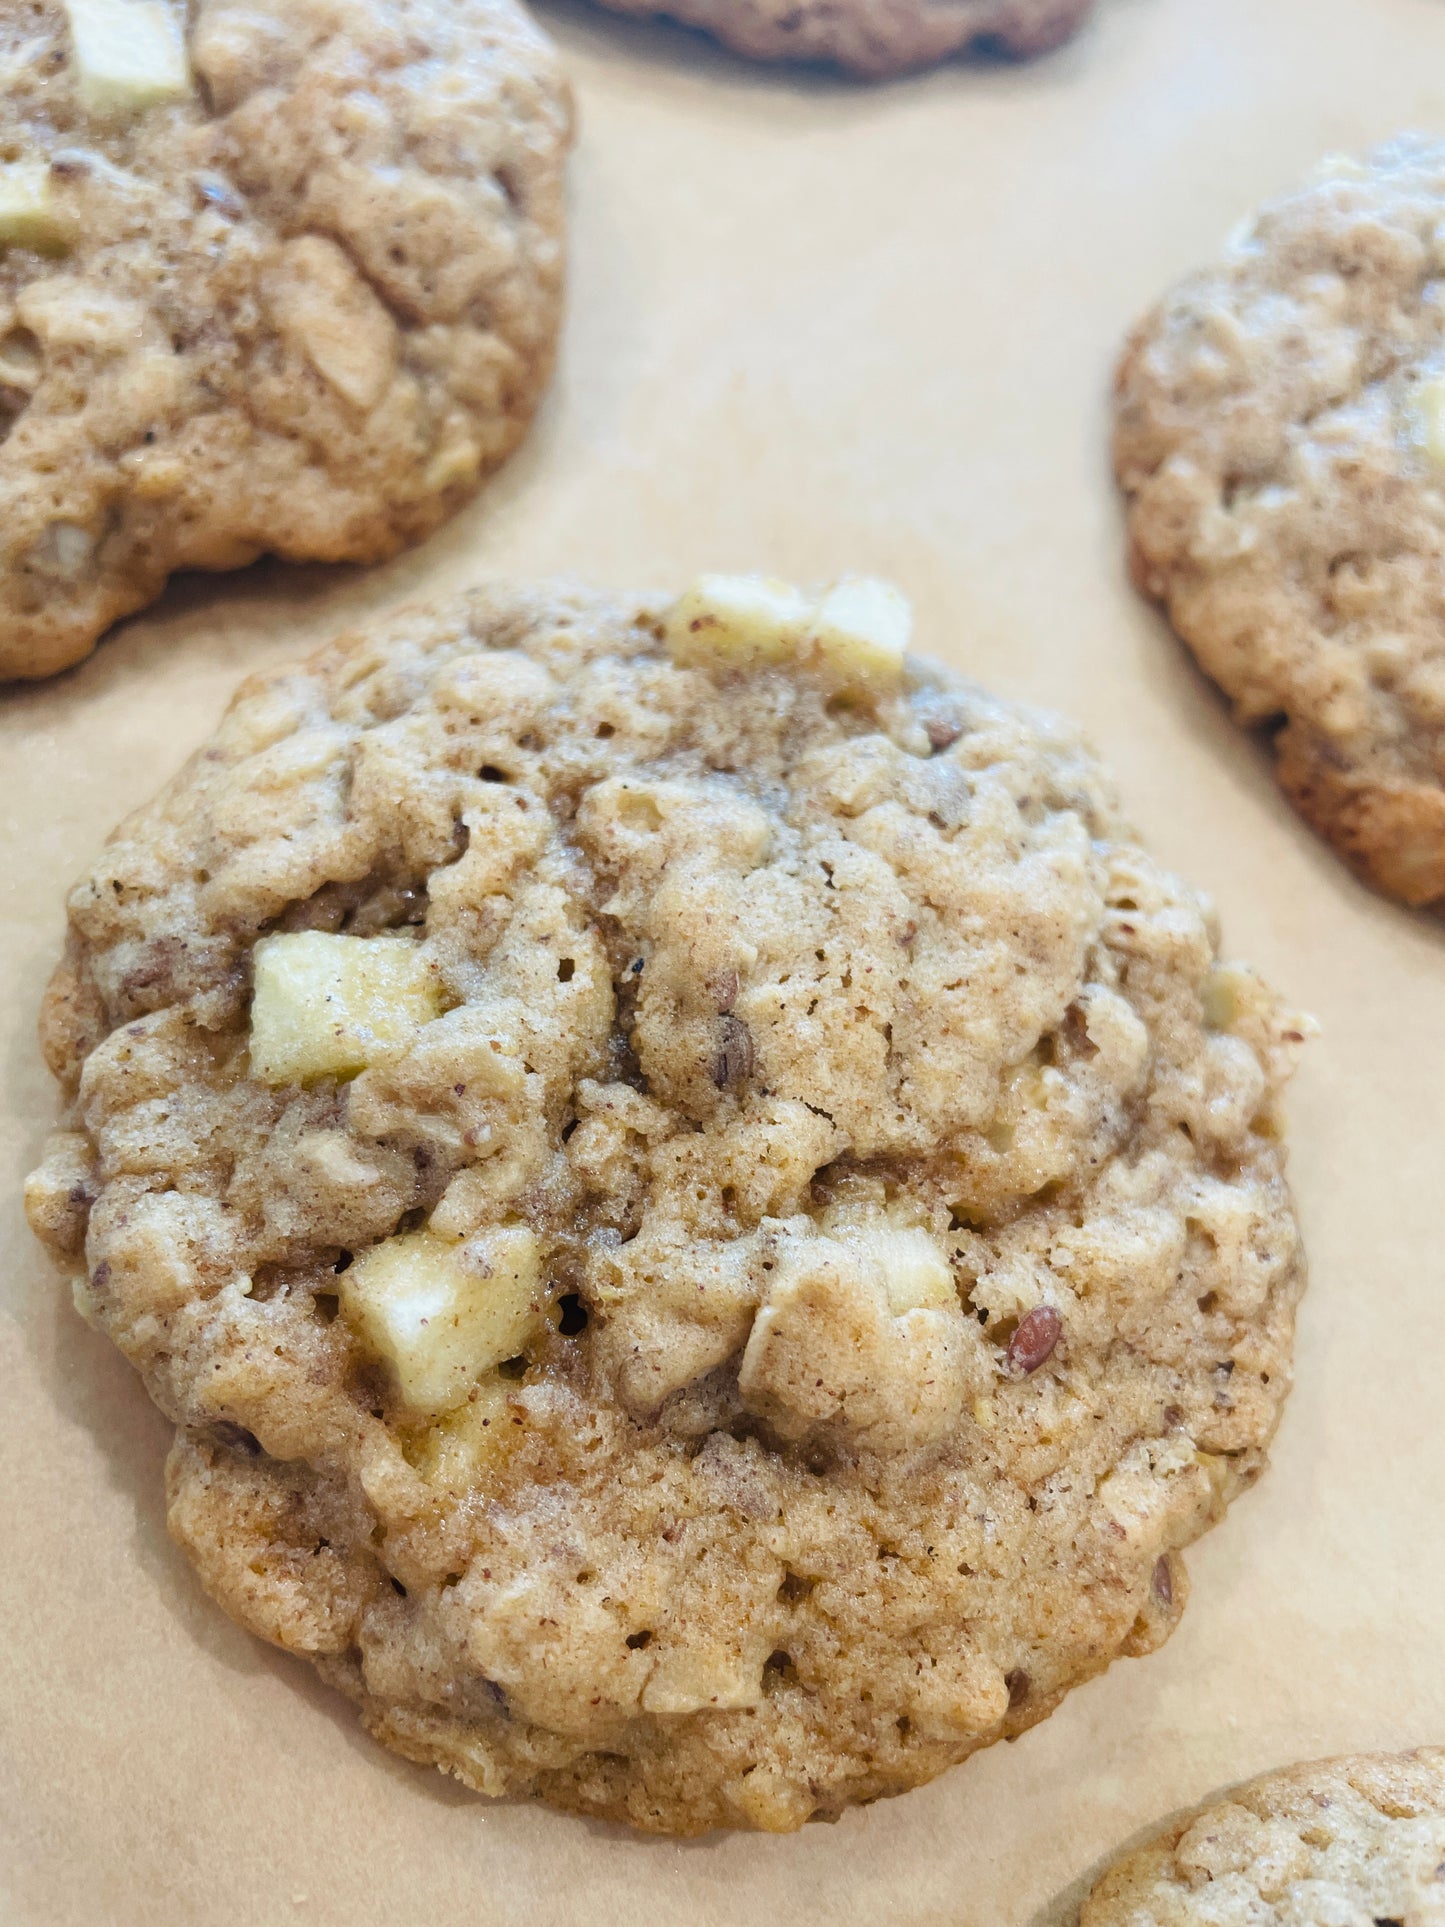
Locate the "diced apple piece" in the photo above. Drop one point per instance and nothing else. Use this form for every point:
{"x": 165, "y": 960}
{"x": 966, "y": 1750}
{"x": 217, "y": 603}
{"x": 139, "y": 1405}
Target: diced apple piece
{"x": 453, "y": 1450}
{"x": 442, "y": 1314}
{"x": 857, "y": 632}
{"x": 915, "y": 1269}
{"x": 130, "y": 55}
{"x": 322, "y": 305}
{"x": 327, "y": 1006}
{"x": 860, "y": 632}
{"x": 1430, "y": 418}
{"x": 29, "y": 217}
{"x": 740, "y": 620}
{"x": 721, "y": 1676}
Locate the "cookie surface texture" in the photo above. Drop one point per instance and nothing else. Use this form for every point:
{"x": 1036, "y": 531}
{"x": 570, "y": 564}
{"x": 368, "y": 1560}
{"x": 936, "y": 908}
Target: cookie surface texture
{"x": 1337, "y": 1843}
{"x": 273, "y": 279}
{"x": 874, "y": 38}
{"x": 709, "y": 1221}
{"x": 1281, "y": 438}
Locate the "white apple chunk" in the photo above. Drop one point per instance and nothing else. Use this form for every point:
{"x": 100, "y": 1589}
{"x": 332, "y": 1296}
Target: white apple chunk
{"x": 452, "y": 1451}
{"x": 916, "y": 1273}
{"x": 327, "y": 1006}
{"x": 442, "y": 1314}
{"x": 860, "y": 631}
{"x": 741, "y": 620}
{"x": 130, "y": 55}
{"x": 29, "y": 217}
{"x": 856, "y": 632}
{"x": 1429, "y": 404}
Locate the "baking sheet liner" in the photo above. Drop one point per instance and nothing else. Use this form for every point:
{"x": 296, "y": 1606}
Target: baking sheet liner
{"x": 814, "y": 327}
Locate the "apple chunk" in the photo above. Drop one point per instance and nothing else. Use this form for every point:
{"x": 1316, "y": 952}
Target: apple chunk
{"x": 1430, "y": 418}
{"x": 442, "y": 1314}
{"x": 739, "y": 619}
{"x": 130, "y": 55}
{"x": 855, "y": 632}
{"x": 916, "y": 1273}
{"x": 861, "y": 630}
{"x": 29, "y": 217}
{"x": 327, "y": 1006}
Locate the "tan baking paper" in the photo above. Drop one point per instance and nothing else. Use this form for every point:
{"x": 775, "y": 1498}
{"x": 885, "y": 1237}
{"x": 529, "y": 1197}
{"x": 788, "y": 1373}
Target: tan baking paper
{"x": 814, "y": 327}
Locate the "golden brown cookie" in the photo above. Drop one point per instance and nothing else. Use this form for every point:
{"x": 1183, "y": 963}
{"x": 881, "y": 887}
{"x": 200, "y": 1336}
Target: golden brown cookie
{"x": 273, "y": 277}
{"x": 709, "y": 1221}
{"x": 874, "y": 38}
{"x": 1338, "y": 1843}
{"x": 1281, "y": 438}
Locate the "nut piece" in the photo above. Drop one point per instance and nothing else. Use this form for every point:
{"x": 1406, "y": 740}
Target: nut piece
{"x": 129, "y": 55}
{"x": 327, "y": 1006}
{"x": 28, "y": 215}
{"x": 861, "y": 631}
{"x": 442, "y": 1314}
{"x": 1032, "y": 1345}
{"x": 742, "y": 619}
{"x": 734, "y": 1058}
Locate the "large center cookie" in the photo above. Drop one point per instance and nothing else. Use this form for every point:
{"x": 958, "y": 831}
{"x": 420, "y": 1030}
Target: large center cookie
{"x": 709, "y": 1220}
{"x": 275, "y": 275}
{"x": 1281, "y": 436}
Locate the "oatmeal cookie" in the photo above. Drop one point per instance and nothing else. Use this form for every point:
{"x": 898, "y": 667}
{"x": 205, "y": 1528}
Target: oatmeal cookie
{"x": 1281, "y": 439}
{"x": 1339, "y": 1843}
{"x": 275, "y": 276}
{"x": 874, "y": 38}
{"x": 710, "y": 1223}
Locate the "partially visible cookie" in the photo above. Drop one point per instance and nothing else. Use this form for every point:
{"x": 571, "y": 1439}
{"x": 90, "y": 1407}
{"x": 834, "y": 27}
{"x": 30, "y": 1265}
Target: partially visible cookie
{"x": 275, "y": 275}
{"x": 710, "y": 1223}
{"x": 874, "y": 38}
{"x": 1281, "y": 439}
{"x": 1337, "y": 1843}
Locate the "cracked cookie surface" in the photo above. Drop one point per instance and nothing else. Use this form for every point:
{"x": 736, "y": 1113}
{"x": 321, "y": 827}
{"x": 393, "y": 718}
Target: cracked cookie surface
{"x": 710, "y": 1223}
{"x": 303, "y": 308}
{"x": 874, "y": 38}
{"x": 1280, "y": 435}
{"x": 1338, "y": 1843}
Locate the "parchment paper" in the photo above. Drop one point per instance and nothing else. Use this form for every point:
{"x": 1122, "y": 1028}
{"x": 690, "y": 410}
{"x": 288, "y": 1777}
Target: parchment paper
{"x": 814, "y": 327}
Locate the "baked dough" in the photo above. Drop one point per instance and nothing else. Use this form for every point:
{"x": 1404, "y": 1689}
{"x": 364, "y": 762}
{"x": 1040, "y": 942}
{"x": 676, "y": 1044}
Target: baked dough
{"x": 710, "y": 1222}
{"x": 1339, "y": 1843}
{"x": 302, "y": 304}
{"x": 1281, "y": 439}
